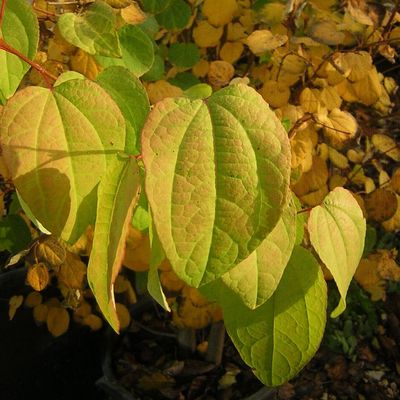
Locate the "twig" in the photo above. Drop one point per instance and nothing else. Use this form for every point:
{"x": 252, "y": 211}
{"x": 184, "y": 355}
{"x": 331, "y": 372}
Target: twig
{"x": 45, "y": 74}
{"x": 391, "y": 18}
{"x": 153, "y": 331}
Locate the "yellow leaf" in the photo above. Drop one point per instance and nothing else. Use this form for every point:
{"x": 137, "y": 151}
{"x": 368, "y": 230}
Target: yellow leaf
{"x": 316, "y": 197}
{"x": 57, "y": 321}
{"x": 276, "y": 94}
{"x": 85, "y": 64}
{"x": 201, "y": 68}
{"x": 369, "y": 185}
{"x": 380, "y": 205}
{"x": 272, "y": 14}
{"x": 338, "y": 159}
{"x": 123, "y": 315}
{"x": 72, "y": 272}
{"x": 393, "y": 223}
{"x": 368, "y": 90}
{"x": 82, "y": 311}
{"x": 33, "y": 299}
{"x": 326, "y": 32}
{"x": 261, "y": 41}
{"x": 120, "y": 284}
{"x": 231, "y": 52}
{"x": 133, "y": 14}
{"x": 339, "y": 127}
{"x": 220, "y": 73}
{"x": 314, "y": 179}
{"x": 119, "y": 3}
{"x": 50, "y": 251}
{"x": 40, "y": 313}
{"x": 330, "y": 98}
{"x": 395, "y": 181}
{"x": 260, "y": 72}
{"x": 170, "y": 281}
{"x": 162, "y": 89}
{"x": 309, "y": 100}
{"x": 219, "y": 12}
{"x": 13, "y": 304}
{"x": 236, "y": 31}
{"x": 336, "y": 181}
{"x": 385, "y": 144}
{"x": 137, "y": 251}
{"x": 387, "y": 267}
{"x": 38, "y": 276}
{"x": 206, "y": 35}
{"x": 94, "y": 322}
{"x": 84, "y": 244}
{"x": 356, "y": 156}
{"x": 367, "y": 276}
{"x": 301, "y": 148}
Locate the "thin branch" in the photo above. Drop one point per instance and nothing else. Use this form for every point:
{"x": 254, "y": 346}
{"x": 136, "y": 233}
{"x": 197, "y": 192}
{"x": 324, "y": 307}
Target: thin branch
{"x": 2, "y": 11}
{"x": 47, "y": 76}
{"x": 391, "y": 18}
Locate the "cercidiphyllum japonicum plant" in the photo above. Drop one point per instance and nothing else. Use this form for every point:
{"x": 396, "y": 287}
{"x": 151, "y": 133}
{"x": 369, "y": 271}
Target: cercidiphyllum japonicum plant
{"x": 217, "y": 172}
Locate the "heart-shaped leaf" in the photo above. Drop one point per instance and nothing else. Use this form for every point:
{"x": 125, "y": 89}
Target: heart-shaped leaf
{"x": 279, "y": 338}
{"x": 20, "y": 29}
{"x": 117, "y": 196}
{"x": 93, "y": 31}
{"x": 217, "y": 175}
{"x": 137, "y": 51}
{"x": 57, "y": 145}
{"x": 256, "y": 278}
{"x": 131, "y": 97}
{"x": 337, "y": 232}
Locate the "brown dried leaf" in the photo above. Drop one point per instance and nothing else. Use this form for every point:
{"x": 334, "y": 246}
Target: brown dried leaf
{"x": 57, "y": 321}
{"x": 50, "y": 251}
{"x": 385, "y": 144}
{"x": 13, "y": 304}
{"x": 72, "y": 272}
{"x": 261, "y": 41}
{"x": 380, "y": 205}
{"x": 220, "y": 73}
{"x": 38, "y": 276}
{"x": 33, "y": 299}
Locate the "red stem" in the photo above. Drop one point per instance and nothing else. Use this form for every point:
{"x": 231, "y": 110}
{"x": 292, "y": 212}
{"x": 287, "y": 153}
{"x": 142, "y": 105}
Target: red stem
{"x": 45, "y": 74}
{"x": 2, "y": 11}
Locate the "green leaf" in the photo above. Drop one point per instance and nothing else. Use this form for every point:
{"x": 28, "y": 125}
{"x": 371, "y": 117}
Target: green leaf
{"x": 156, "y": 71}
{"x": 155, "y": 6}
{"x": 68, "y": 76}
{"x": 175, "y": 16}
{"x": 280, "y": 337}
{"x": 184, "y": 80}
{"x": 141, "y": 217}
{"x": 117, "y": 196}
{"x": 200, "y": 91}
{"x": 20, "y": 29}
{"x": 93, "y": 31}
{"x": 256, "y": 278}
{"x": 217, "y": 176}
{"x": 30, "y": 215}
{"x": 136, "y": 48}
{"x": 184, "y": 55}
{"x": 153, "y": 283}
{"x": 131, "y": 97}
{"x": 14, "y": 234}
{"x": 337, "y": 232}
{"x": 56, "y": 145}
